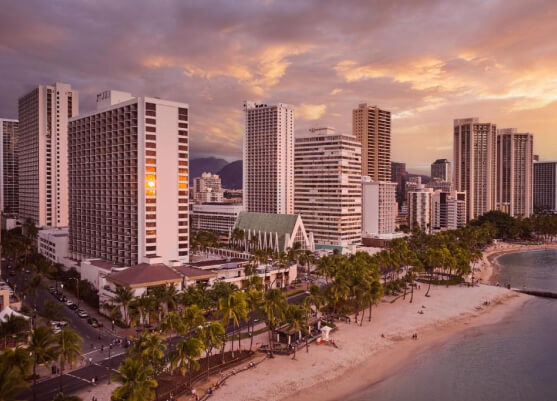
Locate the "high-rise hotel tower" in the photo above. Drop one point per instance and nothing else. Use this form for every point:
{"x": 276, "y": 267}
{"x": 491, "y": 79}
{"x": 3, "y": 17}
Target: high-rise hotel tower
{"x": 9, "y": 170}
{"x": 372, "y": 127}
{"x": 515, "y": 175}
{"x": 328, "y": 182}
{"x": 268, "y": 158}
{"x": 43, "y": 153}
{"x": 129, "y": 180}
{"x": 475, "y": 164}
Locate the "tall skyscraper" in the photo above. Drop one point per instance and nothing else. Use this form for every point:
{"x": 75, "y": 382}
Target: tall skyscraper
{"x": 515, "y": 153}
{"x": 372, "y": 127}
{"x": 268, "y": 158}
{"x": 545, "y": 187}
{"x": 328, "y": 191}
{"x": 441, "y": 169}
{"x": 398, "y": 175}
{"x": 43, "y": 153}
{"x": 475, "y": 164}
{"x": 9, "y": 171}
{"x": 129, "y": 180}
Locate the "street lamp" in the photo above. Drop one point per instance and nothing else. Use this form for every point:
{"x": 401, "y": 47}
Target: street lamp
{"x": 109, "y": 362}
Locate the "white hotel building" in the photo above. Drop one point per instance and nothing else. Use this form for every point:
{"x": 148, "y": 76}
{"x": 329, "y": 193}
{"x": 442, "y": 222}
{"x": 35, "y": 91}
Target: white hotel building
{"x": 43, "y": 153}
{"x": 268, "y": 158}
{"x": 328, "y": 195}
{"x": 379, "y": 208}
{"x": 128, "y": 164}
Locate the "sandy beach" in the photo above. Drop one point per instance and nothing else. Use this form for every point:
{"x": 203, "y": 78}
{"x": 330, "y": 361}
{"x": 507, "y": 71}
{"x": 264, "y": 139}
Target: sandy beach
{"x": 364, "y": 356}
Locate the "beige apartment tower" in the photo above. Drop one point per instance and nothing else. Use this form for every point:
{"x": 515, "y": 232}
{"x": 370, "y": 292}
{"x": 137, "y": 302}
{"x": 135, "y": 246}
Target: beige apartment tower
{"x": 268, "y": 158}
{"x": 328, "y": 194}
{"x": 475, "y": 164}
{"x": 372, "y": 127}
{"x": 129, "y": 181}
{"x": 515, "y": 164}
{"x": 43, "y": 153}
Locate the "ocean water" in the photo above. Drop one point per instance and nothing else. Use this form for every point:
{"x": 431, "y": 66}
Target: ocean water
{"x": 513, "y": 360}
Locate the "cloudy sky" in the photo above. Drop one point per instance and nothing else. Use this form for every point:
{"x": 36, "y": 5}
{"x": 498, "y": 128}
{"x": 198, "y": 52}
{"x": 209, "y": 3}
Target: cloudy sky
{"x": 427, "y": 61}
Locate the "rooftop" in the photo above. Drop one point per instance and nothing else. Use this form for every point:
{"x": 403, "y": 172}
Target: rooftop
{"x": 146, "y": 275}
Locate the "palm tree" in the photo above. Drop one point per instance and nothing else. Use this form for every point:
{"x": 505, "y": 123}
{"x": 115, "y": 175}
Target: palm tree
{"x": 64, "y": 397}
{"x": 19, "y": 359}
{"x": 12, "y": 326}
{"x": 137, "y": 382}
{"x": 213, "y": 336}
{"x": 192, "y": 318}
{"x": 12, "y": 382}
{"x": 172, "y": 323}
{"x": 124, "y": 295}
{"x": 233, "y": 308}
{"x": 68, "y": 349}
{"x": 185, "y": 356}
{"x": 33, "y": 287}
{"x": 274, "y": 307}
{"x": 43, "y": 349}
{"x": 254, "y": 300}
{"x": 151, "y": 350}
{"x": 297, "y": 321}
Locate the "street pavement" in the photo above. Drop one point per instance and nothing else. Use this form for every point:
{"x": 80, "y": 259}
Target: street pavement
{"x": 95, "y": 363}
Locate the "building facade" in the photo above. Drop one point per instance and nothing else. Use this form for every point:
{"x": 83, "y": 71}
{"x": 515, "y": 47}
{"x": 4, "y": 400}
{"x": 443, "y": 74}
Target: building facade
{"x": 437, "y": 184}
{"x": 218, "y": 217}
{"x": 328, "y": 192}
{"x": 441, "y": 169}
{"x": 515, "y": 154}
{"x": 372, "y": 127}
{"x": 475, "y": 164}
{"x": 398, "y": 175}
{"x": 129, "y": 180}
{"x": 419, "y": 208}
{"x": 53, "y": 244}
{"x": 43, "y": 153}
{"x": 448, "y": 210}
{"x": 379, "y": 209}
{"x": 9, "y": 170}
{"x": 207, "y": 188}
{"x": 545, "y": 187}
{"x": 268, "y": 158}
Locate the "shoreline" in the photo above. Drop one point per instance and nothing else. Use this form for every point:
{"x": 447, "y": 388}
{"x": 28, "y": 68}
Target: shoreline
{"x": 364, "y": 356}
{"x": 490, "y": 267}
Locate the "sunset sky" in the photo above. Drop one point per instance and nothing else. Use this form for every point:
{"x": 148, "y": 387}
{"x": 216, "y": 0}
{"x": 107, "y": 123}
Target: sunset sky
{"x": 426, "y": 61}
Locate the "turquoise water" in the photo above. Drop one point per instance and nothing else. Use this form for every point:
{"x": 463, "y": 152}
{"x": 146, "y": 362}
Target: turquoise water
{"x": 514, "y": 360}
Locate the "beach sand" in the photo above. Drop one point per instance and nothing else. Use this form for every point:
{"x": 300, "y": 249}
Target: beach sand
{"x": 364, "y": 356}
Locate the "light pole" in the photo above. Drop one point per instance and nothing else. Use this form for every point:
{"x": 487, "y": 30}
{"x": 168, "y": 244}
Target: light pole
{"x": 109, "y": 362}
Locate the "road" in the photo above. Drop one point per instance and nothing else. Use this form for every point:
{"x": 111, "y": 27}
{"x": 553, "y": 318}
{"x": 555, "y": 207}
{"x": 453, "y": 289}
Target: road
{"x": 100, "y": 366}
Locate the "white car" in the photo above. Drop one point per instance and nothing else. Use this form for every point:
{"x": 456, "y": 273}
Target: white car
{"x": 56, "y": 329}
{"x": 82, "y": 313}
{"x": 69, "y": 302}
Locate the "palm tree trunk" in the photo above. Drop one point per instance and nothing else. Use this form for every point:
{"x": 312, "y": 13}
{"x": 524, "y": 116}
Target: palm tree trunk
{"x": 232, "y": 343}
{"x": 239, "y": 338}
{"x": 35, "y": 379}
{"x": 412, "y": 293}
{"x": 271, "y": 342}
{"x": 251, "y": 337}
{"x": 208, "y": 363}
{"x": 370, "y": 305}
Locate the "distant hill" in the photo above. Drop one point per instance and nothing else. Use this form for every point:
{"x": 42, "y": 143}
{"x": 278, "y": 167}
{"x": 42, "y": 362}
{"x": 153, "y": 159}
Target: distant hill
{"x": 231, "y": 175}
{"x": 205, "y": 165}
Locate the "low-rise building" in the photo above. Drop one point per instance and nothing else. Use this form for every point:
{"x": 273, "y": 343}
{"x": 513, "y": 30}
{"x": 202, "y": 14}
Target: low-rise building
{"x": 53, "y": 244}
{"x": 217, "y": 217}
{"x": 275, "y": 231}
{"x": 379, "y": 209}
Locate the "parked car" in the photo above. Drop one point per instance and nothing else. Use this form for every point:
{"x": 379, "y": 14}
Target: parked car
{"x": 81, "y": 313}
{"x": 74, "y": 307}
{"x": 51, "y": 289}
{"x": 69, "y": 302}
{"x": 93, "y": 322}
{"x": 56, "y": 329}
